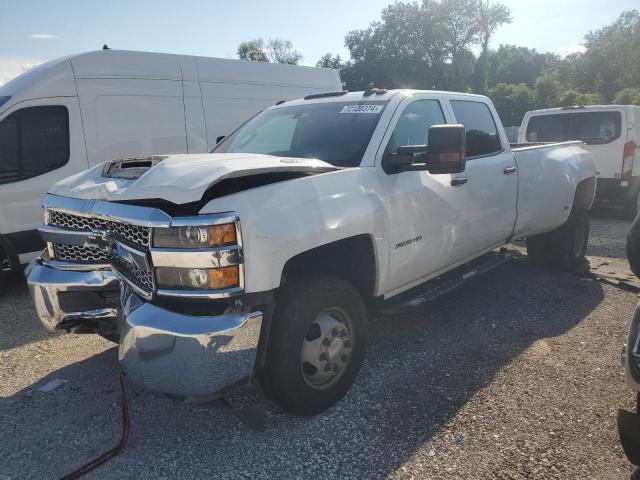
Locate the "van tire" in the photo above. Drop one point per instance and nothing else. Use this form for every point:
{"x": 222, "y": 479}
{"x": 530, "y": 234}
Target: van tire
{"x": 564, "y": 247}
{"x": 296, "y": 331}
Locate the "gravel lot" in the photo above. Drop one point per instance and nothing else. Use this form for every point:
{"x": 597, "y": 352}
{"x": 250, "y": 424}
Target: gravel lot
{"x": 514, "y": 376}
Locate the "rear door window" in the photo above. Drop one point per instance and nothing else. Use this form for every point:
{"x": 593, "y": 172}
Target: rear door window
{"x": 589, "y": 127}
{"x": 482, "y": 132}
{"x": 33, "y": 141}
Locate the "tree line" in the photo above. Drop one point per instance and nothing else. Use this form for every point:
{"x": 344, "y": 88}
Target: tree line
{"x": 444, "y": 45}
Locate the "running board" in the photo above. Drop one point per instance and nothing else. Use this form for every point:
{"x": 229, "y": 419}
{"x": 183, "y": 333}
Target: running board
{"x": 426, "y": 293}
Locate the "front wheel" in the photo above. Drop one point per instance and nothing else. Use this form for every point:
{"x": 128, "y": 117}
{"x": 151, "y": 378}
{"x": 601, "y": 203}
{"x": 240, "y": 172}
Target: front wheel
{"x": 564, "y": 247}
{"x": 317, "y": 343}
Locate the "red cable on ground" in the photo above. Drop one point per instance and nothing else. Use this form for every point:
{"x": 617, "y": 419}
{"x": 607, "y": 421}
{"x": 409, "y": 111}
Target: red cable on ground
{"x": 115, "y": 450}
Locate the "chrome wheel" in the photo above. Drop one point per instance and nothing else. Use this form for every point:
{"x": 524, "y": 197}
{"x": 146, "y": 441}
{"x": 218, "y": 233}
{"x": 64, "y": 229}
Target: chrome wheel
{"x": 326, "y": 349}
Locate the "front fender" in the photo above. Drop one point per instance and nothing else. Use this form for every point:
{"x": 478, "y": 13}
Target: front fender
{"x": 282, "y": 220}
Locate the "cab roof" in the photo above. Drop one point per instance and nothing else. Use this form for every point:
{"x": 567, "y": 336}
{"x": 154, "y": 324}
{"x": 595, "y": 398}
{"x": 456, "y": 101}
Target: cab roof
{"x": 363, "y": 96}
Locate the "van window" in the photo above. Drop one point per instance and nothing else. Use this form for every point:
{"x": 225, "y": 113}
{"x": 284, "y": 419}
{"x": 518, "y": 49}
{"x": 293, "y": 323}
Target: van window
{"x": 413, "y": 125}
{"x": 482, "y": 133}
{"x": 589, "y": 127}
{"x": 33, "y": 141}
{"x": 549, "y": 128}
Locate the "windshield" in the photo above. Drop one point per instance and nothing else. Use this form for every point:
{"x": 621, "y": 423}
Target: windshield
{"x": 335, "y": 132}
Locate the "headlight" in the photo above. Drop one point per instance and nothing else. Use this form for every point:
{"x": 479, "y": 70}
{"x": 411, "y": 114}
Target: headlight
{"x": 195, "y": 236}
{"x": 173, "y": 278}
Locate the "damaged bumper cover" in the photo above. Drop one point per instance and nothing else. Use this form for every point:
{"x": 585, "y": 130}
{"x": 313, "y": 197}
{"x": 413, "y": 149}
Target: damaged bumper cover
{"x": 161, "y": 349}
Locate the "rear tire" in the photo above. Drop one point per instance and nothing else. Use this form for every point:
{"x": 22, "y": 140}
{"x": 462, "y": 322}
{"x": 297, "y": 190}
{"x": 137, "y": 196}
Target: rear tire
{"x": 564, "y": 247}
{"x": 317, "y": 344}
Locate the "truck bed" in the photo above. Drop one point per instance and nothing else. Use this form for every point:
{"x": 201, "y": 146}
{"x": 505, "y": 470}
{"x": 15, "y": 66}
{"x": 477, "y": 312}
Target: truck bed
{"x": 547, "y": 179}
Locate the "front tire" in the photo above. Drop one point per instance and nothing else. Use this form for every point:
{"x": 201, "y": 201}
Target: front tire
{"x": 317, "y": 344}
{"x": 564, "y": 247}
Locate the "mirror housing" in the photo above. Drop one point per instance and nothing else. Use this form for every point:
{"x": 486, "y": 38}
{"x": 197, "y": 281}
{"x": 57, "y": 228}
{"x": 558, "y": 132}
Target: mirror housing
{"x": 220, "y": 138}
{"x": 447, "y": 149}
{"x": 445, "y": 153}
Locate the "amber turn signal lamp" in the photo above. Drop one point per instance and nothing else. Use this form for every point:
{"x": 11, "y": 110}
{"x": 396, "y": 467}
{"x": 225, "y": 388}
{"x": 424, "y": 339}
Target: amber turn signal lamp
{"x": 222, "y": 234}
{"x": 225, "y": 277}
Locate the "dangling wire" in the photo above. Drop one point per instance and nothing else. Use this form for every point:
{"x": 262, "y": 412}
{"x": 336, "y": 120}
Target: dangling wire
{"x": 118, "y": 448}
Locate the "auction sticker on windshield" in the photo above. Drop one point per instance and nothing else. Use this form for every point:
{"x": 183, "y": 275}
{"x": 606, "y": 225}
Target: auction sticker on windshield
{"x": 362, "y": 109}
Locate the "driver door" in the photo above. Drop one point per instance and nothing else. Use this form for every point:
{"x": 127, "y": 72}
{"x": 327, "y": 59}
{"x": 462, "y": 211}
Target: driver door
{"x": 424, "y": 212}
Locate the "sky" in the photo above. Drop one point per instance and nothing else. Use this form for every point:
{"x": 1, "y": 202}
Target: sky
{"x": 33, "y": 31}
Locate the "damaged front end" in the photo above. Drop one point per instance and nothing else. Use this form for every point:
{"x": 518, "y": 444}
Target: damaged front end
{"x": 185, "y": 325}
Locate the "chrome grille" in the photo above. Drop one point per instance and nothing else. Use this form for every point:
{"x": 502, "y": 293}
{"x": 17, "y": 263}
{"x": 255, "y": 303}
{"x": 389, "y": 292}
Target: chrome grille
{"x": 135, "y": 234}
{"x": 74, "y": 253}
{"x": 138, "y": 237}
{"x": 141, "y": 278}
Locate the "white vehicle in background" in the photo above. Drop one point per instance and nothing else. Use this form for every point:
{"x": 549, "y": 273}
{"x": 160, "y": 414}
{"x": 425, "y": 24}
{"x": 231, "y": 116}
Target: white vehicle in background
{"x": 72, "y": 113}
{"x": 267, "y": 256}
{"x": 610, "y": 132}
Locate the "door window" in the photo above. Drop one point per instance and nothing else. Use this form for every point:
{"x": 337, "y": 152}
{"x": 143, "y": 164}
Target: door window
{"x": 482, "y": 133}
{"x": 33, "y": 141}
{"x": 413, "y": 125}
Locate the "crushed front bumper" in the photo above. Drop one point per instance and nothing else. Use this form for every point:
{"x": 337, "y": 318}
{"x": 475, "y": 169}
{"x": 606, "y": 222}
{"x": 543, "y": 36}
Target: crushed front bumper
{"x": 160, "y": 349}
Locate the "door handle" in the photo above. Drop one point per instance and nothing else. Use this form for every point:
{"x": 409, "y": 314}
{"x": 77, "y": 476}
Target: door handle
{"x": 509, "y": 170}
{"x": 456, "y": 182}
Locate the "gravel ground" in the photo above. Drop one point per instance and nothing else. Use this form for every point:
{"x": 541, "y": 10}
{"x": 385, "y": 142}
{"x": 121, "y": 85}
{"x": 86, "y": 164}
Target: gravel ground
{"x": 514, "y": 376}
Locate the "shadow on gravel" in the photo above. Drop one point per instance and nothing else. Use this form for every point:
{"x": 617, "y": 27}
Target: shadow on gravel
{"x": 19, "y": 324}
{"x": 420, "y": 370}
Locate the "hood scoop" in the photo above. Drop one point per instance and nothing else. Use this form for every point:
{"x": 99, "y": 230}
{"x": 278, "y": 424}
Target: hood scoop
{"x": 131, "y": 168}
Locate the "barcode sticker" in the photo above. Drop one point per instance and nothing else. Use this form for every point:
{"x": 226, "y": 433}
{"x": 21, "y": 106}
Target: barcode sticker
{"x": 361, "y": 109}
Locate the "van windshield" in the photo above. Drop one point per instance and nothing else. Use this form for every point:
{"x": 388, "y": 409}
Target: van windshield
{"x": 589, "y": 127}
{"x": 335, "y": 132}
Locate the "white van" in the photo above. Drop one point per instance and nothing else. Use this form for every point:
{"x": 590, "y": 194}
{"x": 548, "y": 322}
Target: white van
{"x": 611, "y": 133}
{"x": 72, "y": 113}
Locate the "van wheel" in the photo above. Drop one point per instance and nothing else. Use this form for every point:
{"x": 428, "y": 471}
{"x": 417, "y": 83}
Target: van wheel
{"x": 317, "y": 343}
{"x": 564, "y": 247}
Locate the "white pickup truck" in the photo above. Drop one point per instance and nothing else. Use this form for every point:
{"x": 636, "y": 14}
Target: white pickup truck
{"x": 264, "y": 258}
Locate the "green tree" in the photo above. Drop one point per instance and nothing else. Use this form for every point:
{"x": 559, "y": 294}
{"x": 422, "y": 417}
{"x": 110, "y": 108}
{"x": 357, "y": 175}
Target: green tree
{"x": 252, "y": 50}
{"x": 572, "y": 97}
{"x": 422, "y": 45}
{"x": 490, "y": 17}
{"x": 512, "y": 64}
{"x": 512, "y": 101}
{"x": 403, "y": 49}
{"x": 612, "y": 55}
{"x": 547, "y": 91}
{"x": 457, "y": 23}
{"x": 627, "y": 96}
{"x": 330, "y": 61}
{"x": 282, "y": 51}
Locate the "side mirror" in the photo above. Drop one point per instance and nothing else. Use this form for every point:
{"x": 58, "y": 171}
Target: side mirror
{"x": 447, "y": 149}
{"x": 220, "y": 138}
{"x": 445, "y": 153}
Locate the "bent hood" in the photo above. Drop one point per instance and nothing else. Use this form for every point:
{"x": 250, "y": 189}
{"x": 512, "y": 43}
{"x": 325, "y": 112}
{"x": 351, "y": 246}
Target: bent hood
{"x": 178, "y": 179}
